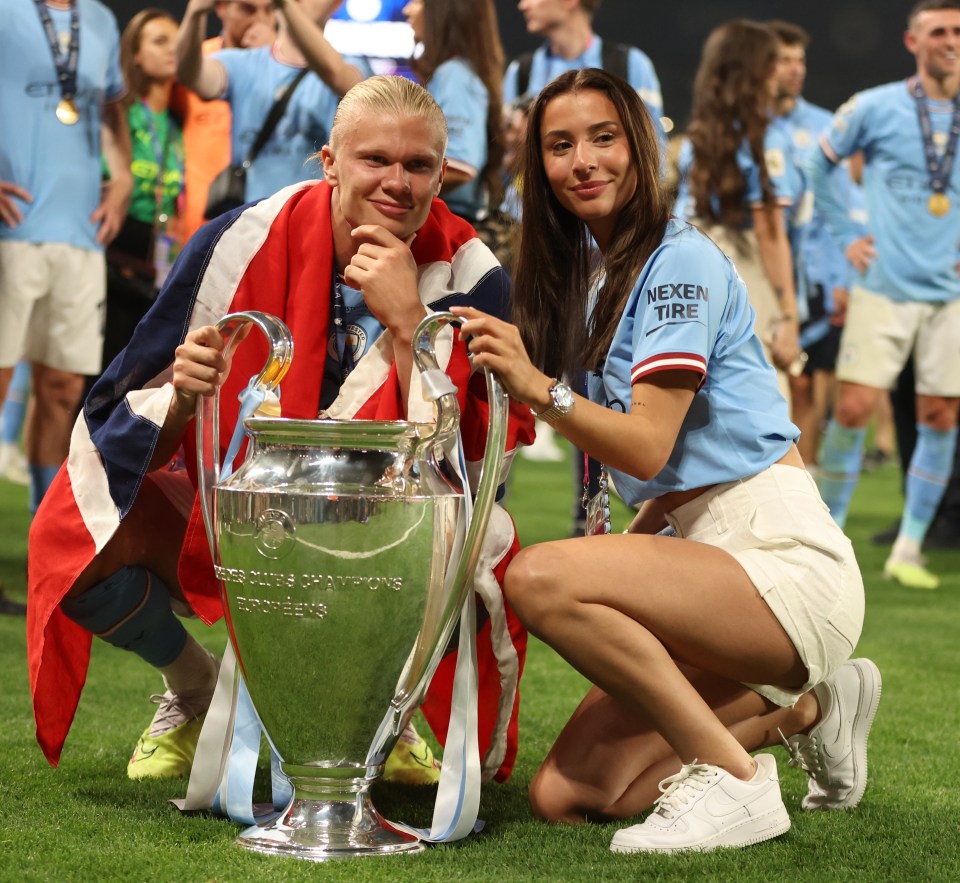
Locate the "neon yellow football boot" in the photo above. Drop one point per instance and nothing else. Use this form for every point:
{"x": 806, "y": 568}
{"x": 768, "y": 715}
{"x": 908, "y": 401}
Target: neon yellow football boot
{"x": 411, "y": 762}
{"x": 167, "y": 746}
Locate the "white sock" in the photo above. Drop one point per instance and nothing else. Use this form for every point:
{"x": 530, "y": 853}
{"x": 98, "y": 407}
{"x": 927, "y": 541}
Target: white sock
{"x": 906, "y": 549}
{"x": 193, "y": 672}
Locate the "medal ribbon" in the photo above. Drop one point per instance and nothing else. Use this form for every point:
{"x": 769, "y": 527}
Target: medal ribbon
{"x": 344, "y": 350}
{"x": 161, "y": 151}
{"x": 938, "y": 167}
{"x": 66, "y": 65}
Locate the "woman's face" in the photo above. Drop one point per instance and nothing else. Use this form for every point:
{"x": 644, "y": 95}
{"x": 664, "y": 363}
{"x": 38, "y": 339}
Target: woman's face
{"x": 413, "y": 13}
{"x": 156, "y": 56}
{"x": 586, "y": 157}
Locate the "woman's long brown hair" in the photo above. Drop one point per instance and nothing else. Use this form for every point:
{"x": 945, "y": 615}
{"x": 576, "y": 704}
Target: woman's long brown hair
{"x": 467, "y": 29}
{"x": 553, "y": 273}
{"x": 130, "y": 46}
{"x": 731, "y": 103}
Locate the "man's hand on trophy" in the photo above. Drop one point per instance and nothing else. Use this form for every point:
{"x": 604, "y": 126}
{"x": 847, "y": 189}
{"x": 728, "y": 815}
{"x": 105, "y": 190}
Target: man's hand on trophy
{"x": 383, "y": 268}
{"x": 198, "y": 369}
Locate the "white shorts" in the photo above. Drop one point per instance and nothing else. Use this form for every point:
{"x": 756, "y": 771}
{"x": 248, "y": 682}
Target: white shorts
{"x": 880, "y": 334}
{"x": 780, "y": 532}
{"x": 52, "y": 301}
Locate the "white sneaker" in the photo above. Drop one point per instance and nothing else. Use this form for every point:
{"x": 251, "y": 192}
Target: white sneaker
{"x": 835, "y": 751}
{"x": 13, "y": 464}
{"x": 704, "y": 807}
{"x": 544, "y": 448}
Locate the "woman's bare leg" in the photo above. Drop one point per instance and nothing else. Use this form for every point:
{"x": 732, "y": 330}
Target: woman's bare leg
{"x": 624, "y": 610}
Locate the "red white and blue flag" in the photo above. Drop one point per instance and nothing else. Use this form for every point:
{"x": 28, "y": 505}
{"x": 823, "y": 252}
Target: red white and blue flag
{"x": 275, "y": 256}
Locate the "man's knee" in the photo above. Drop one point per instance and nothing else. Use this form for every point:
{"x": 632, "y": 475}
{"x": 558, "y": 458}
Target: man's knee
{"x": 856, "y": 405}
{"x": 55, "y": 389}
{"x": 937, "y": 413}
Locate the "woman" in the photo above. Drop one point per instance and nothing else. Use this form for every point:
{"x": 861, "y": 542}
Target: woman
{"x": 141, "y": 255}
{"x": 737, "y": 178}
{"x": 710, "y": 643}
{"x": 462, "y": 68}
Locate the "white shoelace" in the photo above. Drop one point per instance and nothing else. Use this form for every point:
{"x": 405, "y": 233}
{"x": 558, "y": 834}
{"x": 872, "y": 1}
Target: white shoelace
{"x": 175, "y": 710}
{"x": 684, "y": 787}
{"x": 804, "y": 752}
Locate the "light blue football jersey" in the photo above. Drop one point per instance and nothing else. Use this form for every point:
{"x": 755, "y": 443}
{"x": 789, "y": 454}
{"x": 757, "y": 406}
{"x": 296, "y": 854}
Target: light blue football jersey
{"x": 916, "y": 251}
{"x": 58, "y": 165}
{"x": 689, "y": 310}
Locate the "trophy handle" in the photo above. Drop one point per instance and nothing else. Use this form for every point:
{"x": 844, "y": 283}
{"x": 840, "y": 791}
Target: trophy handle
{"x": 438, "y": 386}
{"x": 208, "y": 407}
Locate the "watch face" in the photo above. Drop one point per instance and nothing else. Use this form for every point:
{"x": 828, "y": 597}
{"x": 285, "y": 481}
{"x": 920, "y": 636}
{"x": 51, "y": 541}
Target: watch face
{"x": 563, "y": 396}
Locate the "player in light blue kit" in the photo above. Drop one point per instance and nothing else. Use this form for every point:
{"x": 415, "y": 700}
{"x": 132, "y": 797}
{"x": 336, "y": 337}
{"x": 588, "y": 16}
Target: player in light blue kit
{"x": 572, "y": 44}
{"x": 251, "y": 80}
{"x": 822, "y": 272}
{"x": 699, "y": 647}
{"x": 60, "y": 106}
{"x": 907, "y": 295}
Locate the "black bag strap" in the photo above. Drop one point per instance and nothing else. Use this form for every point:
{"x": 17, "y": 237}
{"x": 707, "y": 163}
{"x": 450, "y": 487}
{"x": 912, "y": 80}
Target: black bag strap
{"x": 524, "y": 63}
{"x": 613, "y": 59}
{"x": 270, "y": 123}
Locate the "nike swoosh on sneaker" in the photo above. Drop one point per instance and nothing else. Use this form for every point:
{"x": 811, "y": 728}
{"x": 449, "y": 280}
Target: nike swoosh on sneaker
{"x": 719, "y": 804}
{"x": 140, "y": 754}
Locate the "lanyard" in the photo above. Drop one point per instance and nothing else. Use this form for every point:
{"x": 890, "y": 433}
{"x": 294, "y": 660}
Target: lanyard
{"x": 66, "y": 64}
{"x": 160, "y": 153}
{"x": 938, "y": 167}
{"x": 344, "y": 350}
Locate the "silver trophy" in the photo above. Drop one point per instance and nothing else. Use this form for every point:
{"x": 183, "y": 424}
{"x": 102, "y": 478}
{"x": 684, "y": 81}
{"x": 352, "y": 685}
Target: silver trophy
{"x": 344, "y": 562}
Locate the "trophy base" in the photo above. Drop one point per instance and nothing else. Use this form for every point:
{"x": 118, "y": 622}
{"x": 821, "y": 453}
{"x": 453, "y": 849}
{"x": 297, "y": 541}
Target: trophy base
{"x": 321, "y": 830}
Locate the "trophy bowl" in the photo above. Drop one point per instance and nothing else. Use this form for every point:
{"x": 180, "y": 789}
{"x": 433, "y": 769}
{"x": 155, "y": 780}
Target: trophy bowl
{"x": 343, "y": 552}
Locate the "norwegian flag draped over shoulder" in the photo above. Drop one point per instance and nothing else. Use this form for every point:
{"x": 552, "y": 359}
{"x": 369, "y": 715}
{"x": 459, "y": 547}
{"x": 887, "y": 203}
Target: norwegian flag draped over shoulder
{"x": 275, "y": 256}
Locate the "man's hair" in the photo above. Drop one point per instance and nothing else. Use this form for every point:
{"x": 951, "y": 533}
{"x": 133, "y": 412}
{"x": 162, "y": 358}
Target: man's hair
{"x": 590, "y": 7}
{"x": 930, "y": 6}
{"x": 388, "y": 96}
{"x": 788, "y": 33}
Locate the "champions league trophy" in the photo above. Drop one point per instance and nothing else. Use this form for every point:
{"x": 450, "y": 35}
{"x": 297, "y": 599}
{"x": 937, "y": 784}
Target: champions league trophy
{"x": 344, "y": 560}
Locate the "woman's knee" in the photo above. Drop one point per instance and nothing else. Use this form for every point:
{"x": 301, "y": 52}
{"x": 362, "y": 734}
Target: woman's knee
{"x": 552, "y": 798}
{"x": 533, "y": 582}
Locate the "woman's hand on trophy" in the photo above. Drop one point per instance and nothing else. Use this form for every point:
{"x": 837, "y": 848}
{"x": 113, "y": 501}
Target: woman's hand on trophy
{"x": 497, "y": 345}
{"x": 198, "y": 369}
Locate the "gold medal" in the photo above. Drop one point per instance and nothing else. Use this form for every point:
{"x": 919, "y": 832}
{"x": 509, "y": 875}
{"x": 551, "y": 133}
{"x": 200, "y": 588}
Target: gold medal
{"x": 67, "y": 112}
{"x": 939, "y": 204}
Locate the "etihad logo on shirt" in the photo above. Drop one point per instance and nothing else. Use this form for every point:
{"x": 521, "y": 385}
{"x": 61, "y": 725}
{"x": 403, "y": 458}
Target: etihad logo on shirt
{"x": 664, "y": 299}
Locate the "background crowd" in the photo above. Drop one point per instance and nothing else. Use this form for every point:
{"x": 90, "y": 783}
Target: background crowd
{"x": 167, "y": 126}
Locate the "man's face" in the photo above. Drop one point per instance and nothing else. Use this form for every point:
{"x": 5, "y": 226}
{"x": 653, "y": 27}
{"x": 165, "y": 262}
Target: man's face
{"x": 791, "y": 70}
{"x": 934, "y": 38}
{"x": 386, "y": 171}
{"x": 542, "y": 16}
{"x": 239, "y": 17}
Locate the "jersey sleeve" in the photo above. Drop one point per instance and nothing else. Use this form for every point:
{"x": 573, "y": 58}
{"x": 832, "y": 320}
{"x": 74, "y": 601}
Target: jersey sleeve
{"x": 510, "y": 82}
{"x": 781, "y": 166}
{"x": 845, "y": 134}
{"x": 644, "y": 79}
{"x": 673, "y": 303}
{"x": 753, "y": 192}
{"x": 464, "y": 101}
{"x": 232, "y": 61}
